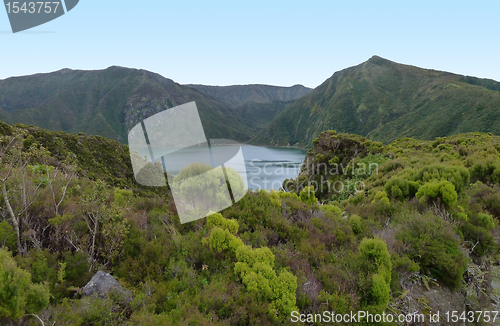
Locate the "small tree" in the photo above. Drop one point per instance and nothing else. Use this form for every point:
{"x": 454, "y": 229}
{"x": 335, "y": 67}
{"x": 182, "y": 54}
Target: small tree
{"x": 18, "y": 189}
{"x": 93, "y": 214}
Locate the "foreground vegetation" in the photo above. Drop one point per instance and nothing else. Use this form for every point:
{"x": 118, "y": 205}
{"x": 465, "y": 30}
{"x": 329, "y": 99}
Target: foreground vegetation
{"x": 426, "y": 218}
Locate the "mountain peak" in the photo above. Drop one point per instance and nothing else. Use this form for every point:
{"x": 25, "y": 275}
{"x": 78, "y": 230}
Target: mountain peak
{"x": 385, "y": 100}
{"x": 378, "y": 60}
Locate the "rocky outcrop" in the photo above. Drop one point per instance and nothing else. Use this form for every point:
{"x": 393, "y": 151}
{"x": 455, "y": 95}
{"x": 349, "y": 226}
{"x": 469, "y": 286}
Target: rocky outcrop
{"x": 103, "y": 284}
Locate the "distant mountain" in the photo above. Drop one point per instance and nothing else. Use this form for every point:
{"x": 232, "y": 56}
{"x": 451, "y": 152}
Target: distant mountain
{"x": 109, "y": 102}
{"x": 379, "y": 99}
{"x": 238, "y": 95}
{"x": 384, "y": 100}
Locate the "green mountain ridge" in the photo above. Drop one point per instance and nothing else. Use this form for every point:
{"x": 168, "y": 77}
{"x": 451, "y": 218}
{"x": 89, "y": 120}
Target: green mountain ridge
{"x": 108, "y": 102}
{"x": 383, "y": 101}
{"x": 238, "y": 95}
{"x": 379, "y": 99}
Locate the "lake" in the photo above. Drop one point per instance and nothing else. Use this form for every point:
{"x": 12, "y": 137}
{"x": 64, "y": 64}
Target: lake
{"x": 266, "y": 167}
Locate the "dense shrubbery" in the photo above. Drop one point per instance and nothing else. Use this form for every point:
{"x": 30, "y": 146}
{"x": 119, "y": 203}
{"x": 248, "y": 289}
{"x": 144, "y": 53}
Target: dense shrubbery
{"x": 254, "y": 262}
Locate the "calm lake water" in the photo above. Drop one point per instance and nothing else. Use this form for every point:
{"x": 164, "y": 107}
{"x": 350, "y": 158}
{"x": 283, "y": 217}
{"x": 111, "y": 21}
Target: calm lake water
{"x": 266, "y": 167}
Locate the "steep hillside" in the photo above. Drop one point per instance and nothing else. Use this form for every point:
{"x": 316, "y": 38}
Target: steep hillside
{"x": 384, "y": 100}
{"x": 241, "y": 94}
{"x": 93, "y": 157}
{"x": 108, "y": 102}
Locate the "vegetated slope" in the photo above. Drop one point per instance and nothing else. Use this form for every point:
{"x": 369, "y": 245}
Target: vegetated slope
{"x": 423, "y": 233}
{"x": 257, "y": 104}
{"x": 259, "y": 115}
{"x": 108, "y": 102}
{"x": 384, "y": 100}
{"x": 419, "y": 197}
{"x": 93, "y": 157}
{"x": 239, "y": 95}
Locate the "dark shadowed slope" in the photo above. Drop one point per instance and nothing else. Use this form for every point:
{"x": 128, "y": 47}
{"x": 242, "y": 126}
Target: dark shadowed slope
{"x": 242, "y": 94}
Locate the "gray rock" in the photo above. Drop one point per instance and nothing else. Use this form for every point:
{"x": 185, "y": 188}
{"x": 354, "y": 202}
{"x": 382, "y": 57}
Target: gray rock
{"x": 103, "y": 284}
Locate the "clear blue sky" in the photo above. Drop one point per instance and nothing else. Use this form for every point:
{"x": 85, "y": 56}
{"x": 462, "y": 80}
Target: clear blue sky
{"x": 269, "y": 42}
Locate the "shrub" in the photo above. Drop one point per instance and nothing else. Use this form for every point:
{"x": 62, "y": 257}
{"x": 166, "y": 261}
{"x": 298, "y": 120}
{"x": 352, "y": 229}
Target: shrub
{"x": 307, "y": 196}
{"x": 443, "y": 190}
{"x": 374, "y": 257}
{"x": 486, "y": 221}
{"x": 375, "y": 265}
{"x": 382, "y": 197}
{"x": 485, "y": 169}
{"x": 380, "y": 291}
{"x": 223, "y": 240}
{"x": 401, "y": 189}
{"x": 331, "y": 208}
{"x": 7, "y": 236}
{"x": 123, "y": 196}
{"x": 356, "y": 224}
{"x": 18, "y": 295}
{"x": 218, "y": 220}
{"x": 434, "y": 245}
{"x": 459, "y": 176}
{"x": 255, "y": 268}
{"x": 479, "y": 238}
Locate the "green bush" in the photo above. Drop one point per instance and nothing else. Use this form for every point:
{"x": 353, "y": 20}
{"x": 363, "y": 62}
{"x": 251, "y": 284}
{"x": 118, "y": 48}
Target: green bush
{"x": 487, "y": 221}
{"x": 479, "y": 238}
{"x": 123, "y": 196}
{"x": 223, "y": 240}
{"x": 337, "y": 211}
{"x": 356, "y": 224}
{"x": 380, "y": 291}
{"x": 218, "y": 220}
{"x": 401, "y": 189}
{"x": 375, "y": 266}
{"x": 7, "y": 236}
{"x": 434, "y": 245}
{"x": 18, "y": 295}
{"x": 255, "y": 268}
{"x": 458, "y": 175}
{"x": 308, "y": 196}
{"x": 374, "y": 258}
{"x": 434, "y": 190}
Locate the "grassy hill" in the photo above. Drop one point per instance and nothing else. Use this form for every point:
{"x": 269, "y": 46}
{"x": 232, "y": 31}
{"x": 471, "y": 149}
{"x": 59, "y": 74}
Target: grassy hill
{"x": 108, "y": 102}
{"x": 384, "y": 100}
